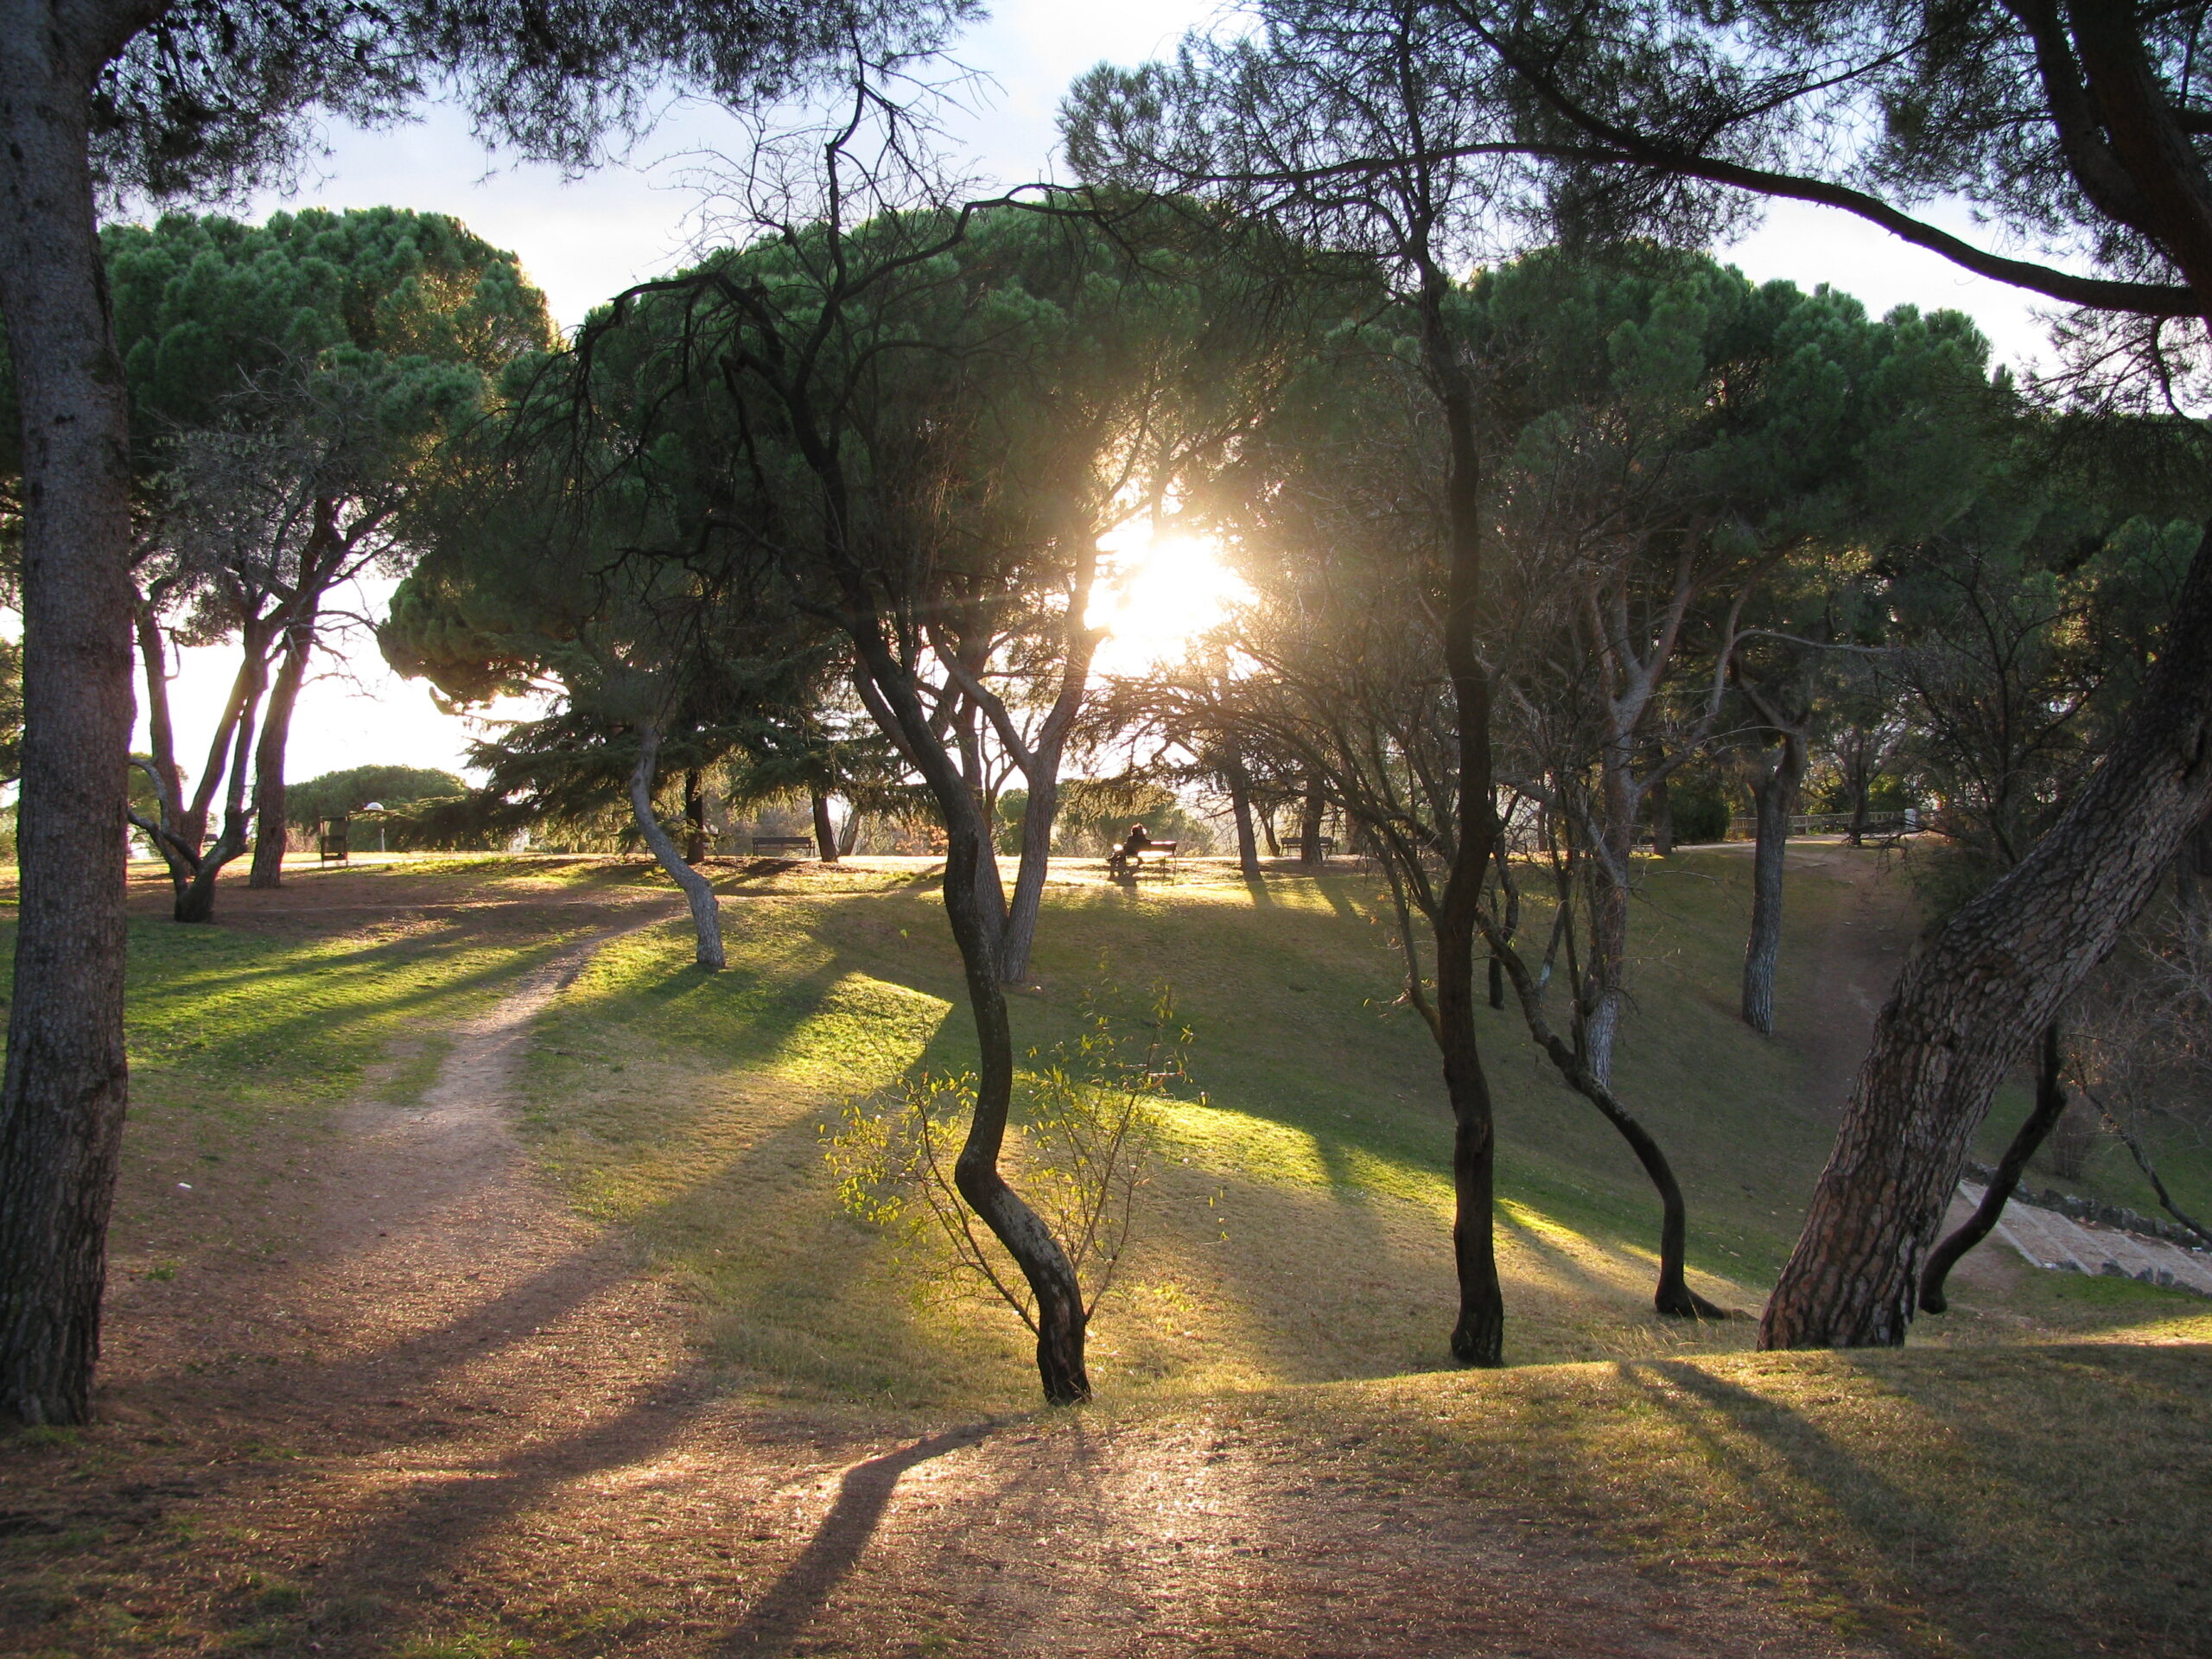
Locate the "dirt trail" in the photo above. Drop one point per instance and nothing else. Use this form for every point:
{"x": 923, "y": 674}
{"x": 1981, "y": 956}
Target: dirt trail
{"x": 457, "y": 1410}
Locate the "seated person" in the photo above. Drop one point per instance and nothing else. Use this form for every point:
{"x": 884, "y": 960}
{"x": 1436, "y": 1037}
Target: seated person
{"x": 1127, "y": 856}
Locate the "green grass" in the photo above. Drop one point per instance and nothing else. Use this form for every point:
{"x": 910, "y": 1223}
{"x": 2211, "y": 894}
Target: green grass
{"x": 1297, "y": 1229}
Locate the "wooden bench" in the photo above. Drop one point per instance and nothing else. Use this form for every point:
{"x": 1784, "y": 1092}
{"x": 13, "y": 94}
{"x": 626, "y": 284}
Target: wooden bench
{"x": 783, "y": 847}
{"x": 1295, "y": 846}
{"x": 1154, "y": 858}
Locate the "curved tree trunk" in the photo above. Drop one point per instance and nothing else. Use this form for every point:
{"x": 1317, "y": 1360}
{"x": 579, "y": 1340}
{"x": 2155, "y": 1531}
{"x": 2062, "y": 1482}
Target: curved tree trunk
{"x": 1672, "y": 1295}
{"x": 706, "y": 916}
{"x": 61, "y": 1104}
{"x": 825, "y": 830}
{"x": 271, "y": 827}
{"x": 848, "y": 836}
{"x": 1774, "y": 797}
{"x": 1968, "y": 1006}
{"x": 2049, "y": 1107}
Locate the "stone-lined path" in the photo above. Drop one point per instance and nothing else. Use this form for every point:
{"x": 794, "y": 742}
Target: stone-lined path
{"x": 2046, "y": 1239}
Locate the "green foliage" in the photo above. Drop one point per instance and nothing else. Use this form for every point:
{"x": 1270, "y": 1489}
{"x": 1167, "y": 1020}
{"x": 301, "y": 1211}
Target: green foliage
{"x": 336, "y": 793}
{"x": 1086, "y": 1133}
{"x": 1701, "y": 812}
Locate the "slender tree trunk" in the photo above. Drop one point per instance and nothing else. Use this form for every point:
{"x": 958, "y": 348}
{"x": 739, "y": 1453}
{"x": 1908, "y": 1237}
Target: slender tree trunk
{"x": 1039, "y": 814}
{"x": 196, "y": 903}
{"x": 977, "y": 913}
{"x": 61, "y": 1103}
{"x": 1672, "y": 1295}
{"x": 1773, "y": 798}
{"x": 1478, "y": 1336}
{"x": 1268, "y": 833}
{"x": 1604, "y": 996}
{"x": 1240, "y": 810}
{"x": 706, "y": 916}
{"x": 694, "y": 816}
{"x": 848, "y": 837}
{"x": 1970, "y": 1003}
{"x": 825, "y": 830}
{"x": 1309, "y": 823}
{"x": 2049, "y": 1107}
{"x": 272, "y": 826}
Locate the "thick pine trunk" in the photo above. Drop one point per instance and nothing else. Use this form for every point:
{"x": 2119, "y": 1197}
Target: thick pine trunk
{"x": 706, "y": 915}
{"x": 62, "y": 1100}
{"x": 825, "y": 829}
{"x": 1773, "y": 798}
{"x": 1970, "y": 1003}
{"x": 270, "y": 825}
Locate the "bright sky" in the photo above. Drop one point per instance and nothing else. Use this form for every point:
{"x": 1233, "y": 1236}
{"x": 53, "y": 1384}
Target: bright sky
{"x": 584, "y": 240}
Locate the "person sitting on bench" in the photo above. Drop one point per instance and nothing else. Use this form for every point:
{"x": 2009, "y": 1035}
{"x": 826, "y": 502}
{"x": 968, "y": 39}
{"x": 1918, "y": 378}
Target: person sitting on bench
{"x": 1131, "y": 852}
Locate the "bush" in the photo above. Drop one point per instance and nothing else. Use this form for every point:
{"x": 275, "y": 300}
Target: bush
{"x": 1702, "y": 813}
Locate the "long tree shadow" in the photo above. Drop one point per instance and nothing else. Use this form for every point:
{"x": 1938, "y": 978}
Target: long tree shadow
{"x": 863, "y": 1494}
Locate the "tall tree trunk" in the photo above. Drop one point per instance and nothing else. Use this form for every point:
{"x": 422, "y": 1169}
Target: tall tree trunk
{"x": 1663, "y": 819}
{"x": 825, "y": 829}
{"x": 1240, "y": 810}
{"x": 1773, "y": 798}
{"x": 1972, "y": 1000}
{"x": 1268, "y": 833}
{"x": 62, "y": 1099}
{"x": 694, "y": 816}
{"x": 1309, "y": 823}
{"x": 848, "y": 837}
{"x": 2049, "y": 1107}
{"x": 706, "y": 916}
{"x": 271, "y": 825}
{"x": 1478, "y": 1336}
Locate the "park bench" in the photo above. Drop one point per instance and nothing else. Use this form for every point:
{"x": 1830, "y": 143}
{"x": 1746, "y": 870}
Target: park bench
{"x": 784, "y": 846}
{"x": 1154, "y": 858}
{"x": 1295, "y": 846}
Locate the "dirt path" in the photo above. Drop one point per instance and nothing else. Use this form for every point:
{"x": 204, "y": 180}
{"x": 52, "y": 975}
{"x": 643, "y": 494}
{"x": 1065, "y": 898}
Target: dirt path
{"x": 458, "y": 1421}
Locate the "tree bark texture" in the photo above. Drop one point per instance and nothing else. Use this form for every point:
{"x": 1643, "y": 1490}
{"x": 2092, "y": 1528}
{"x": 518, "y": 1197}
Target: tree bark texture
{"x": 1663, "y": 819}
{"x": 1969, "y": 1003}
{"x": 63, "y": 1095}
{"x": 825, "y": 829}
{"x": 1774, "y": 797}
{"x": 706, "y": 914}
{"x": 2049, "y": 1107}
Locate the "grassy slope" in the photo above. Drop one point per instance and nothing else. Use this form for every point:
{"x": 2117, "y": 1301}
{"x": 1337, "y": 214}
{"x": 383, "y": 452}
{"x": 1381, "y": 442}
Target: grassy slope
{"x": 2040, "y": 1497}
{"x": 1297, "y": 1229}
